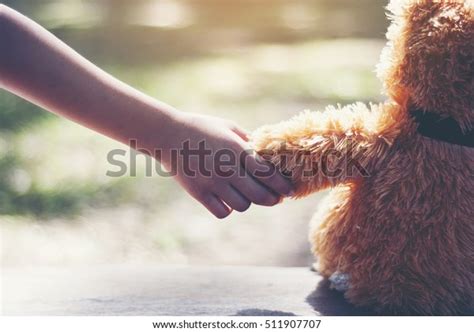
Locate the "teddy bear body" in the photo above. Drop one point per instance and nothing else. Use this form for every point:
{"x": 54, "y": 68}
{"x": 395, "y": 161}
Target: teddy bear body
{"x": 406, "y": 244}
{"x": 396, "y": 233}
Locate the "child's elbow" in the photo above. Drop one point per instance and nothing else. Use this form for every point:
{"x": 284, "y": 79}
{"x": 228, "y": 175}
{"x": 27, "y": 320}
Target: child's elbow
{"x": 5, "y": 23}
{"x": 3, "y": 15}
{"x": 2, "y": 18}
{"x": 3, "y": 30}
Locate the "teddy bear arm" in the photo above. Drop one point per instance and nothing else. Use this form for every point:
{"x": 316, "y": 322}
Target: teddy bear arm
{"x": 327, "y": 162}
{"x": 318, "y": 150}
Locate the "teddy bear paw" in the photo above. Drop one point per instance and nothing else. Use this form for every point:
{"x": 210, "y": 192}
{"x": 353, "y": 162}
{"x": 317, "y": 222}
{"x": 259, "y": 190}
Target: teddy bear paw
{"x": 340, "y": 281}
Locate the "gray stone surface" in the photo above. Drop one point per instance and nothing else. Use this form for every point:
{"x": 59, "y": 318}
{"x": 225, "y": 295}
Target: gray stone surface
{"x": 155, "y": 291}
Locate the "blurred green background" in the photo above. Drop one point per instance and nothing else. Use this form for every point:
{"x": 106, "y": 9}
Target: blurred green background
{"x": 252, "y": 61}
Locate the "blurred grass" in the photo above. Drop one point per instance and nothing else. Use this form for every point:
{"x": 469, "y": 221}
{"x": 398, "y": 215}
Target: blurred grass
{"x": 255, "y": 62}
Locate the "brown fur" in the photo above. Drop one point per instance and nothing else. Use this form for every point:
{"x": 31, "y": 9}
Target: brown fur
{"x": 404, "y": 232}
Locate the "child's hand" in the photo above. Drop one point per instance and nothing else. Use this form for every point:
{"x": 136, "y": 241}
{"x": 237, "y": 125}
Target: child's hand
{"x": 233, "y": 181}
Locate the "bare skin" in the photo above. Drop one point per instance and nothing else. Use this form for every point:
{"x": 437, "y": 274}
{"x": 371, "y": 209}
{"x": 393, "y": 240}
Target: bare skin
{"x": 37, "y": 66}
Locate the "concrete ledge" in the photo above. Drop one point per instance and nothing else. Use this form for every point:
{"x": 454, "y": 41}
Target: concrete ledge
{"x": 159, "y": 291}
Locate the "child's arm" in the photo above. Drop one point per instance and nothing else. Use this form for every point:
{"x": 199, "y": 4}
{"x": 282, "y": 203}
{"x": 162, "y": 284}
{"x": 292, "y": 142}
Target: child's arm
{"x": 39, "y": 67}
{"x": 323, "y": 149}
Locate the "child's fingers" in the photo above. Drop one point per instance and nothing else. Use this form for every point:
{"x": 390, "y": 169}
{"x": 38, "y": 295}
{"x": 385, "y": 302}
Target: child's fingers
{"x": 215, "y": 206}
{"x": 242, "y": 133}
{"x": 254, "y": 191}
{"x": 267, "y": 174}
{"x": 234, "y": 199}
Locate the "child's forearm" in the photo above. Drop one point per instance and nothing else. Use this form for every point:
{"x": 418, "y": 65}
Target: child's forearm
{"x": 39, "y": 67}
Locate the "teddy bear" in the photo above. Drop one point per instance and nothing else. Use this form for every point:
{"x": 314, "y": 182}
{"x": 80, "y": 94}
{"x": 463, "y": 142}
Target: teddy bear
{"x": 396, "y": 232}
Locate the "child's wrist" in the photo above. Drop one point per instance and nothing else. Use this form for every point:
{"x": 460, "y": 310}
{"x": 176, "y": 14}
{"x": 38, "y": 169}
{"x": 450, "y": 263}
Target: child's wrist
{"x": 164, "y": 133}
{"x": 172, "y": 127}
